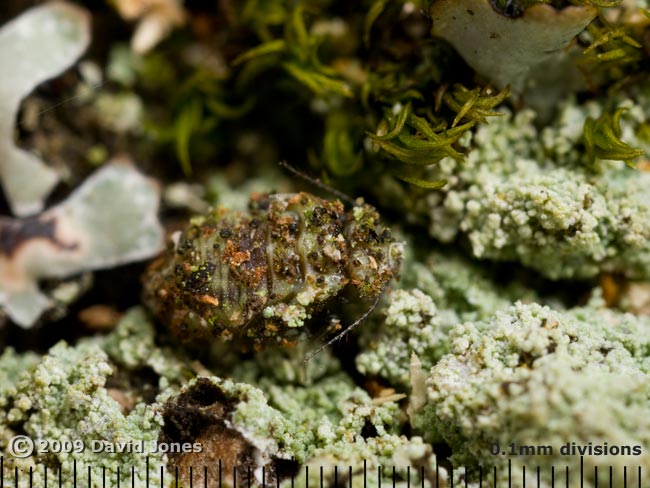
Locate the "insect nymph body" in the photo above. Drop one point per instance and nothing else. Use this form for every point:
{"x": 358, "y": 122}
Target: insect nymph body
{"x": 256, "y": 277}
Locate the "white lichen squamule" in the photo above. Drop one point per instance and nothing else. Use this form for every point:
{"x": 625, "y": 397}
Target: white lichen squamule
{"x": 34, "y": 47}
{"x": 502, "y": 48}
{"x": 111, "y": 219}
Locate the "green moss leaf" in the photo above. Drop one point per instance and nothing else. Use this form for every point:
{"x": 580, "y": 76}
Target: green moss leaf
{"x": 602, "y": 139}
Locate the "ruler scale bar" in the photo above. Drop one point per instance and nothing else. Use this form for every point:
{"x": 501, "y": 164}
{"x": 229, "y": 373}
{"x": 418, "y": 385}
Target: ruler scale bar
{"x": 552, "y": 476}
{"x": 420, "y": 475}
{"x": 509, "y": 473}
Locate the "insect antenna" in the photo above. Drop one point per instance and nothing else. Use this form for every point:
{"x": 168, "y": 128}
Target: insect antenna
{"x": 345, "y": 331}
{"x": 318, "y": 183}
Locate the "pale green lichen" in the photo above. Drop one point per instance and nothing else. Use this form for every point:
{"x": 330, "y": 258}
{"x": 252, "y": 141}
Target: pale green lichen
{"x": 284, "y": 423}
{"x": 530, "y": 196}
{"x": 65, "y": 398}
{"x": 13, "y": 363}
{"x": 537, "y": 377}
{"x": 441, "y": 290}
{"x": 290, "y": 414}
{"x": 279, "y": 366}
{"x": 319, "y": 401}
{"x": 70, "y": 395}
{"x": 411, "y": 325}
{"x": 460, "y": 288}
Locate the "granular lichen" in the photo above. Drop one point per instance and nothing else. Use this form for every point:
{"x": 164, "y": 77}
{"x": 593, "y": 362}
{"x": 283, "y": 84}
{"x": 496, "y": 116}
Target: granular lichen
{"x": 410, "y": 325}
{"x": 125, "y": 388}
{"x": 460, "y": 288}
{"x": 534, "y": 376}
{"x": 104, "y": 389}
{"x": 65, "y": 397}
{"x": 533, "y": 197}
{"x": 441, "y": 290}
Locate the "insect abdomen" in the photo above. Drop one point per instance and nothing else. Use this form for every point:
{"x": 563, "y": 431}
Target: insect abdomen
{"x": 260, "y": 275}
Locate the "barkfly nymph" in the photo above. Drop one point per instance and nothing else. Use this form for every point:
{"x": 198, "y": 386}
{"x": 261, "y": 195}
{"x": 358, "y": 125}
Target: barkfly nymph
{"x": 257, "y": 277}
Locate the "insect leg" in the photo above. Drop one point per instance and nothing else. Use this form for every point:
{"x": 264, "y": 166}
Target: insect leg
{"x": 345, "y": 331}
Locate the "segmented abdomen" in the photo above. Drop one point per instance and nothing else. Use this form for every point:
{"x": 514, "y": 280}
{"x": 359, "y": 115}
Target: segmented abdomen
{"x": 260, "y": 275}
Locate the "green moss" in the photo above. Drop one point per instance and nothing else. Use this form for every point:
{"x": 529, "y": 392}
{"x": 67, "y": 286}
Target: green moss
{"x": 602, "y": 139}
